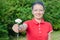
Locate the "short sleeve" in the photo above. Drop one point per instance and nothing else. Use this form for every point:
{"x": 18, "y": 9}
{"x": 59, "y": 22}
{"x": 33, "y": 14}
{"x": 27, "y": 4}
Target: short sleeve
{"x": 50, "y": 28}
{"x": 26, "y": 22}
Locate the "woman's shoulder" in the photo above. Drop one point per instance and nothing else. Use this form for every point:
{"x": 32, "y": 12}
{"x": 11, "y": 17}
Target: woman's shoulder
{"x": 47, "y": 22}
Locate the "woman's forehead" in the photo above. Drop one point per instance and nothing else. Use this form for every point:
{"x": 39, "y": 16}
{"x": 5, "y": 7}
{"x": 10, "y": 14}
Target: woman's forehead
{"x": 38, "y": 6}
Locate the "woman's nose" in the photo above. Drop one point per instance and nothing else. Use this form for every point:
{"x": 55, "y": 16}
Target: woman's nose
{"x": 38, "y": 11}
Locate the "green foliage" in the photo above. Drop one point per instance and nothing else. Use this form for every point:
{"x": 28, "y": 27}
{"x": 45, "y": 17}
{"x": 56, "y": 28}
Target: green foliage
{"x": 53, "y": 13}
{"x": 12, "y": 9}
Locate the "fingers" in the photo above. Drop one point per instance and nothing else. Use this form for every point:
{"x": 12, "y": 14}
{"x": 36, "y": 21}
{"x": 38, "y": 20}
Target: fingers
{"x": 15, "y": 28}
{"x": 22, "y": 27}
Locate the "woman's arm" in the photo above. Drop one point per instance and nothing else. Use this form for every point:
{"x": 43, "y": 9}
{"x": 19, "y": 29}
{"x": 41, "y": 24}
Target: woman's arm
{"x": 19, "y": 28}
{"x": 50, "y": 35}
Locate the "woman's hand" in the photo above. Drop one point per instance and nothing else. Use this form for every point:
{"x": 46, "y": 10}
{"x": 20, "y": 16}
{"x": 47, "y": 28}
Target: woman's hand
{"x": 19, "y": 28}
{"x": 15, "y": 28}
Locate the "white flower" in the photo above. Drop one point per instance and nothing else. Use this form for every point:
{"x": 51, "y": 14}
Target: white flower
{"x": 18, "y": 21}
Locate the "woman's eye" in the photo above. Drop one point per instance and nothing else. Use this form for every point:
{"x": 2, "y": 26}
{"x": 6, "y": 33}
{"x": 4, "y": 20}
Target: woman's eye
{"x": 40, "y": 10}
{"x": 35, "y": 10}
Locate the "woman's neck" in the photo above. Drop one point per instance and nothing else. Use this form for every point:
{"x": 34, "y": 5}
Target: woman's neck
{"x": 38, "y": 20}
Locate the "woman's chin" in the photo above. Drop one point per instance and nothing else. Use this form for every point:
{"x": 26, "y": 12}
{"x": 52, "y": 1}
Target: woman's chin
{"x": 38, "y": 17}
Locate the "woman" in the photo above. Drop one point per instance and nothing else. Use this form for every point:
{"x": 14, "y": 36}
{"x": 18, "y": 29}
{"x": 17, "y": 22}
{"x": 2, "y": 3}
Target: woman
{"x": 37, "y": 28}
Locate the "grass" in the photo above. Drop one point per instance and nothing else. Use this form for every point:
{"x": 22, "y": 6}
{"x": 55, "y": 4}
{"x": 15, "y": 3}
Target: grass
{"x": 55, "y": 36}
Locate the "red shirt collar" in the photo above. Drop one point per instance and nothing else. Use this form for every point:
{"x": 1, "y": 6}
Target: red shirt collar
{"x": 42, "y": 21}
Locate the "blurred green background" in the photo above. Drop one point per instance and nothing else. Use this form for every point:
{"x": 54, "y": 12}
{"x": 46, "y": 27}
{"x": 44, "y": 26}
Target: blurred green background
{"x": 13, "y": 9}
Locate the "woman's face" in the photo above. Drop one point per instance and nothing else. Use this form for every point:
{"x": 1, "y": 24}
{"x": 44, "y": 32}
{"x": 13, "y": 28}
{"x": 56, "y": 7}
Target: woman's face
{"x": 38, "y": 11}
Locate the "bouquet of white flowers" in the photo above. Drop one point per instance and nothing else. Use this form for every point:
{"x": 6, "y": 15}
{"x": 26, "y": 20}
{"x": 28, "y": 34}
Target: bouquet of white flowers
{"x": 18, "y": 21}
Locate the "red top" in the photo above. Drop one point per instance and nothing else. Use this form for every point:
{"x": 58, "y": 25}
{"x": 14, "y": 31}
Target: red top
{"x": 36, "y": 31}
